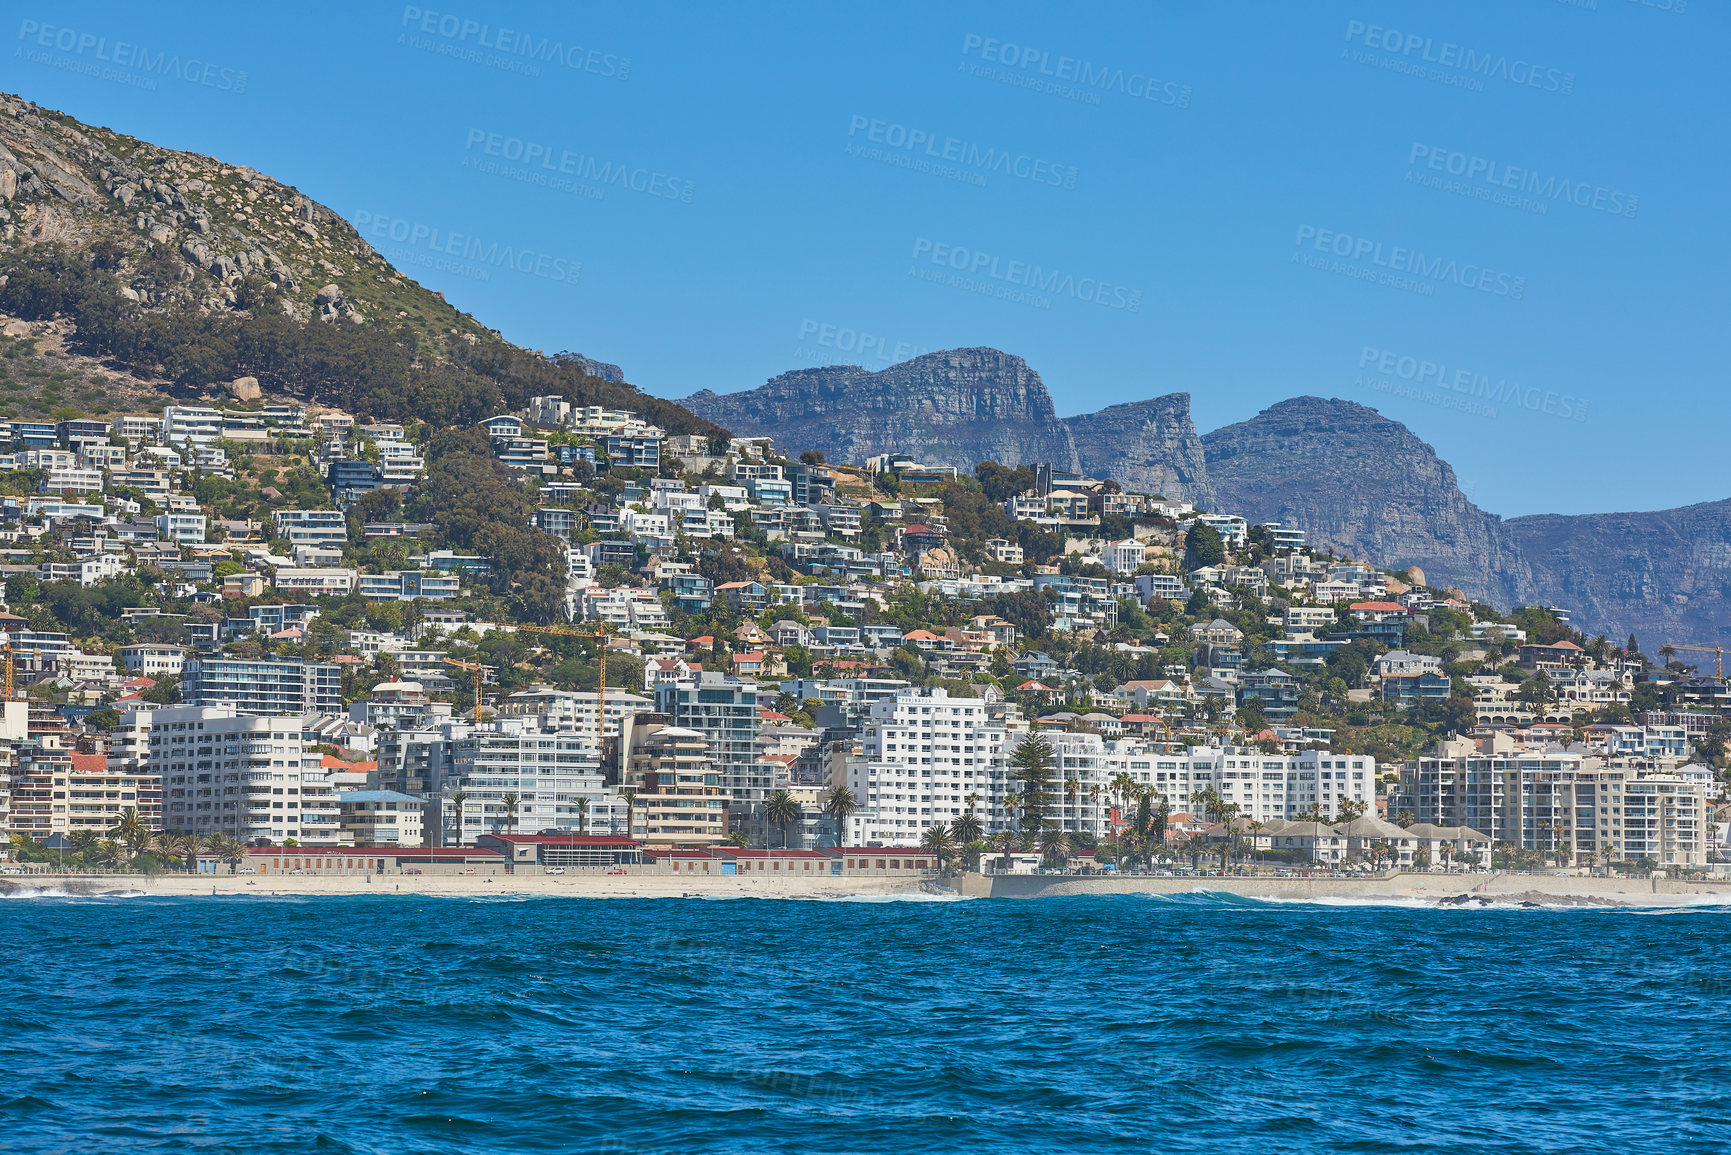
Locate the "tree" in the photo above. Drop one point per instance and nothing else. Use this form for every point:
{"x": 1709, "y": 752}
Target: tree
{"x": 130, "y": 831}
{"x": 1202, "y": 546}
{"x": 582, "y": 815}
{"x": 1033, "y": 762}
{"x": 630, "y": 796}
{"x": 782, "y": 811}
{"x": 967, "y": 828}
{"x": 511, "y": 802}
{"x": 938, "y": 841}
{"x": 839, "y": 803}
{"x": 456, "y": 798}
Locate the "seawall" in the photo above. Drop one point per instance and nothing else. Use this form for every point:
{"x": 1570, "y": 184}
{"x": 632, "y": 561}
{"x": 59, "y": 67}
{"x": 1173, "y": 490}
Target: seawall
{"x": 1393, "y": 886}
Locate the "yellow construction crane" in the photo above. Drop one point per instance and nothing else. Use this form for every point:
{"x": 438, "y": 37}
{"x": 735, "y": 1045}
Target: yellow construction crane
{"x": 598, "y": 631}
{"x": 480, "y": 672}
{"x": 6, "y": 644}
{"x": 1718, "y": 653}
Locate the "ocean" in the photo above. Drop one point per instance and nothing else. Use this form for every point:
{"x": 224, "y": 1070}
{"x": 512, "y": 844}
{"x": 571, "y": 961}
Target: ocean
{"x": 393, "y": 1024}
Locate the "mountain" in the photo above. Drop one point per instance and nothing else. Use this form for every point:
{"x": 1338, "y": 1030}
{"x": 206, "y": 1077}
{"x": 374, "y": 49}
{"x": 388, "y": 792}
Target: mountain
{"x": 1364, "y": 485}
{"x": 1664, "y": 576}
{"x": 149, "y": 271}
{"x": 1147, "y": 446}
{"x": 964, "y": 406}
{"x": 956, "y": 407}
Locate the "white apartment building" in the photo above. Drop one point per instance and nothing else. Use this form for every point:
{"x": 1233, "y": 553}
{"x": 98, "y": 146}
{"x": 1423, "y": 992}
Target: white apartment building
{"x": 315, "y": 579}
{"x": 195, "y": 423}
{"x": 312, "y": 526}
{"x": 924, "y": 759}
{"x": 81, "y": 481}
{"x": 153, "y": 660}
{"x": 1124, "y": 557}
{"x": 552, "y": 776}
{"x": 575, "y": 709}
{"x": 187, "y": 528}
{"x": 1575, "y": 805}
{"x": 226, "y": 773}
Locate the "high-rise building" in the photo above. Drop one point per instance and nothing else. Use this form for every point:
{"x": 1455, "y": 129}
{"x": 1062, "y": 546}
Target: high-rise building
{"x": 224, "y": 772}
{"x": 677, "y": 800}
{"x": 264, "y": 686}
{"x": 724, "y": 711}
{"x": 517, "y": 777}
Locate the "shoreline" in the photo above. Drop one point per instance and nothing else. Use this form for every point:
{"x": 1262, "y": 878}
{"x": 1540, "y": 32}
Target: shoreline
{"x": 524, "y": 885}
{"x": 1393, "y": 888}
{"x": 1472, "y": 891}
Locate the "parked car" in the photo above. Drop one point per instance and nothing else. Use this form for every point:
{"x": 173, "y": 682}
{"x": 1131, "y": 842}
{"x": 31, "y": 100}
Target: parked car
{"x": 411, "y": 870}
{"x": 617, "y": 870}
{"x": 247, "y": 870}
{"x": 297, "y": 870}
{"x": 554, "y": 870}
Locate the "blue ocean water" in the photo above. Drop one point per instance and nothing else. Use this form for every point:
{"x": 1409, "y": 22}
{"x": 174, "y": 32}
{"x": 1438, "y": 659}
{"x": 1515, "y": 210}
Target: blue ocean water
{"x": 394, "y": 1024}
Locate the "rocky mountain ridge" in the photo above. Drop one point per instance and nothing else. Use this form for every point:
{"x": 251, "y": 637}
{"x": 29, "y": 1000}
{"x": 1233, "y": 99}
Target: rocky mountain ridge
{"x": 963, "y": 406}
{"x": 1355, "y": 480}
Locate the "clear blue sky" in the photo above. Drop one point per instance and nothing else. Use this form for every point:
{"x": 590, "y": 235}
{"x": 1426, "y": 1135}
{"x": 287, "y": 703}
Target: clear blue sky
{"x": 1420, "y": 206}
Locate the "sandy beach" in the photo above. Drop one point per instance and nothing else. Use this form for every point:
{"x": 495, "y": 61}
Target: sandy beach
{"x": 1394, "y": 888}
{"x": 468, "y": 886}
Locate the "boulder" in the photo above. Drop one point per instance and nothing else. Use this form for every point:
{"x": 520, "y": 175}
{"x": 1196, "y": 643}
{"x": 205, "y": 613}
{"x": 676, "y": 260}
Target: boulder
{"x": 244, "y": 389}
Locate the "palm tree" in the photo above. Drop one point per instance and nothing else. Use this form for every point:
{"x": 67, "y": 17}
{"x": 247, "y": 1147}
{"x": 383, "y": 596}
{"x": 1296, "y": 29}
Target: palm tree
{"x": 1006, "y": 845}
{"x": 782, "y": 811}
{"x": 1054, "y": 845}
{"x": 131, "y": 831}
{"x": 188, "y": 846}
{"x": 511, "y": 802}
{"x": 228, "y": 849}
{"x": 630, "y": 796}
{"x": 967, "y": 828}
{"x": 582, "y": 815}
{"x": 456, "y": 798}
{"x": 937, "y": 841}
{"x": 738, "y": 838}
{"x": 838, "y": 804}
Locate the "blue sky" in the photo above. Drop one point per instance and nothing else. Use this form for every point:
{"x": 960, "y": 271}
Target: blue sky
{"x": 1501, "y": 224}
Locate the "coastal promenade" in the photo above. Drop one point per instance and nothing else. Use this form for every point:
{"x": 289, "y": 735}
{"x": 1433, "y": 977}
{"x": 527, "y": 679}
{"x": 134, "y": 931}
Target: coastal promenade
{"x": 523, "y": 884}
{"x": 1391, "y": 886}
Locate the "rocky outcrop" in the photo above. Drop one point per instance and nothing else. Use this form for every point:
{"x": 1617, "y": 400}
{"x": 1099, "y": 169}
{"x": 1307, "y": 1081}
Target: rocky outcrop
{"x": 1147, "y": 446}
{"x": 1664, "y": 575}
{"x": 605, "y": 370}
{"x": 181, "y": 229}
{"x": 957, "y": 407}
{"x": 1365, "y": 486}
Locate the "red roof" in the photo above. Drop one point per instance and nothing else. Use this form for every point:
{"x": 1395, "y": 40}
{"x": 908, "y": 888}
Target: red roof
{"x": 903, "y": 850}
{"x": 1378, "y": 607}
{"x": 418, "y": 853}
{"x": 90, "y": 763}
{"x": 567, "y": 839}
{"x": 332, "y": 762}
{"x": 737, "y": 852}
